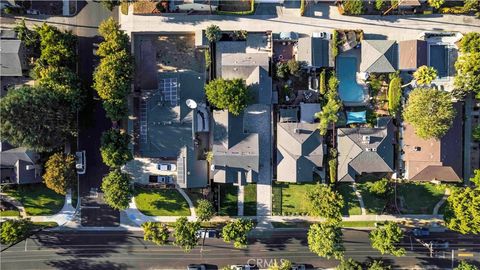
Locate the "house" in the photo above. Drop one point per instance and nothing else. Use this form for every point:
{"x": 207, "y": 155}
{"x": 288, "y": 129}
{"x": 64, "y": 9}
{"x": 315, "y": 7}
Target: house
{"x": 365, "y": 150}
{"x": 379, "y": 56}
{"x": 13, "y": 59}
{"x": 412, "y": 54}
{"x": 300, "y": 147}
{"x": 441, "y": 160}
{"x": 19, "y": 165}
{"x": 315, "y": 52}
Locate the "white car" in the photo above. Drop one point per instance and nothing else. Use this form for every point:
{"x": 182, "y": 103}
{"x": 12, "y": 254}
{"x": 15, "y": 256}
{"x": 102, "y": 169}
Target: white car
{"x": 81, "y": 162}
{"x": 206, "y": 233}
{"x": 167, "y": 167}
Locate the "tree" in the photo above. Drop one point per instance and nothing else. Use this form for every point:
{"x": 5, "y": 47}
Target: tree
{"x": 394, "y": 94}
{"x": 114, "y": 148}
{"x": 349, "y": 264}
{"x": 14, "y": 230}
{"x": 213, "y": 33}
{"x": 237, "y": 231}
{"x": 228, "y": 94}
{"x": 115, "y": 39}
{"x": 386, "y": 237}
{"x": 378, "y": 265}
{"x": 430, "y": 111}
{"x": 57, "y": 48}
{"x": 282, "y": 70}
{"x": 322, "y": 81}
{"x": 30, "y": 38}
{"x": 65, "y": 82}
{"x": 112, "y": 77}
{"x": 293, "y": 67}
{"x": 379, "y": 4}
{"x": 425, "y": 75}
{"x": 60, "y": 173}
{"x": 468, "y": 73}
{"x": 283, "y": 265}
{"x": 205, "y": 210}
{"x": 116, "y": 109}
{"x": 380, "y": 188}
{"x": 435, "y": 3}
{"x": 462, "y": 213}
{"x": 329, "y": 113}
{"x": 117, "y": 190}
{"x": 470, "y": 42}
{"x": 155, "y": 232}
{"x": 325, "y": 202}
{"x": 470, "y": 5}
{"x": 353, "y": 7}
{"x": 463, "y": 265}
{"x": 110, "y": 4}
{"x": 186, "y": 234}
{"x": 325, "y": 240}
{"x": 36, "y": 118}
{"x": 476, "y": 178}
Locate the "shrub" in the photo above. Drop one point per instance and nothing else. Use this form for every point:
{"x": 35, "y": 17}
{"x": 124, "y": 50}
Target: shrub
{"x": 322, "y": 82}
{"x": 476, "y": 133}
{"x": 335, "y": 43}
{"x": 14, "y": 231}
{"x": 228, "y": 94}
{"x": 293, "y": 67}
{"x": 394, "y": 94}
{"x": 435, "y": 3}
{"x": 353, "y": 7}
{"x": 282, "y": 70}
{"x": 380, "y": 188}
{"x": 60, "y": 172}
{"x": 379, "y": 4}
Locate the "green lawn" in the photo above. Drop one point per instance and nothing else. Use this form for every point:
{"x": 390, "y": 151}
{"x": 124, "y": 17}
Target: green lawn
{"x": 419, "y": 198}
{"x": 365, "y": 224}
{"x": 37, "y": 199}
{"x": 373, "y": 204}
{"x": 228, "y": 200}
{"x": 290, "y": 199}
{"x": 352, "y": 206}
{"x": 9, "y": 213}
{"x": 161, "y": 202}
{"x": 250, "y": 200}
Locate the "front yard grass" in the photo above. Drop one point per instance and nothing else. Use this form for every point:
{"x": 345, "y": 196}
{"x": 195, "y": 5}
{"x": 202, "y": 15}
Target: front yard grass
{"x": 161, "y": 202}
{"x": 250, "y": 200}
{"x": 374, "y": 205}
{"x": 228, "y": 200}
{"x": 37, "y": 199}
{"x": 419, "y": 198}
{"x": 345, "y": 224}
{"x": 290, "y": 199}
{"x": 10, "y": 213}
{"x": 352, "y": 206}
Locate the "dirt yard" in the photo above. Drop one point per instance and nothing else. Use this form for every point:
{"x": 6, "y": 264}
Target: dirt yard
{"x": 178, "y": 52}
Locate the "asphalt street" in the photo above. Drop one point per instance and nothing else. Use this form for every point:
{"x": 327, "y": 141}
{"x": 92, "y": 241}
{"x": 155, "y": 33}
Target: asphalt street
{"x": 128, "y": 250}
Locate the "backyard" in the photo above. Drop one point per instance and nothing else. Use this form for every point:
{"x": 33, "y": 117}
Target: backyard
{"x": 250, "y": 200}
{"x": 419, "y": 198}
{"x": 290, "y": 199}
{"x": 161, "y": 202}
{"x": 352, "y": 206}
{"x": 37, "y": 199}
{"x": 228, "y": 200}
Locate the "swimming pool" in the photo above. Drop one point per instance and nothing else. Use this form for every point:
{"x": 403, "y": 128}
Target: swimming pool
{"x": 348, "y": 89}
{"x": 439, "y": 59}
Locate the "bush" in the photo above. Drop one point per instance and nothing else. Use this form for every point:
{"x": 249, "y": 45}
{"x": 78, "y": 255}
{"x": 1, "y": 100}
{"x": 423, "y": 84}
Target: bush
{"x": 353, "y": 7}
{"x": 208, "y": 59}
{"x": 379, "y": 4}
{"x": 332, "y": 167}
{"x": 14, "y": 230}
{"x": 335, "y": 43}
{"x": 282, "y": 70}
{"x": 425, "y": 75}
{"x": 476, "y": 133}
{"x": 293, "y": 67}
{"x": 380, "y": 188}
{"x": 435, "y": 3}
{"x": 452, "y": 10}
{"x": 248, "y": 12}
{"x": 322, "y": 82}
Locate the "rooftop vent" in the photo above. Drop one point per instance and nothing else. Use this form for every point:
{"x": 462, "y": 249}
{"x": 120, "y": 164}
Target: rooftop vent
{"x": 366, "y": 139}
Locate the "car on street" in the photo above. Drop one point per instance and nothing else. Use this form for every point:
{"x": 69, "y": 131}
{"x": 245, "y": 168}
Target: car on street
{"x": 196, "y": 267}
{"x": 167, "y": 167}
{"x": 207, "y": 234}
{"x": 243, "y": 267}
{"x": 80, "y": 162}
{"x": 33, "y": 12}
{"x": 420, "y": 231}
{"x": 298, "y": 267}
{"x": 440, "y": 244}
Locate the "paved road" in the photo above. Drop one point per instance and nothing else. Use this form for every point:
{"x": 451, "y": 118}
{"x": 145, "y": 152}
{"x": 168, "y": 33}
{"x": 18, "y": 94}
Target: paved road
{"x": 123, "y": 250}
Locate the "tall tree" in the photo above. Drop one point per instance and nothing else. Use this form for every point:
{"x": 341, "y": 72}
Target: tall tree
{"x": 425, "y": 75}
{"x": 386, "y": 237}
{"x": 114, "y": 148}
{"x": 29, "y": 37}
{"x": 325, "y": 202}
{"x": 325, "y": 240}
{"x": 470, "y": 42}
{"x": 213, "y": 33}
{"x": 468, "y": 73}
{"x": 117, "y": 190}
{"x": 57, "y": 48}
{"x": 115, "y": 39}
{"x": 228, "y": 94}
{"x": 186, "y": 234}
{"x": 60, "y": 174}
{"x": 113, "y": 76}
{"x": 349, "y": 264}
{"x": 116, "y": 109}
{"x": 64, "y": 81}
{"x": 14, "y": 230}
{"x": 155, "y": 232}
{"x": 237, "y": 231}
{"x": 430, "y": 111}
{"x": 462, "y": 213}
{"x": 36, "y": 118}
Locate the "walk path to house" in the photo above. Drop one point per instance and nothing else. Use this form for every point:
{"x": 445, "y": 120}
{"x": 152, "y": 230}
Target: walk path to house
{"x": 441, "y": 202}
{"x": 241, "y": 199}
{"x": 189, "y": 201}
{"x": 360, "y": 199}
{"x": 15, "y": 203}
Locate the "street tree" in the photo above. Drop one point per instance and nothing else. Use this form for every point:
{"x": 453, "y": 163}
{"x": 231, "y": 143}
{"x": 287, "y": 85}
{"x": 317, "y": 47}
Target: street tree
{"x": 64, "y": 81}
{"x": 57, "y": 48}
{"x": 60, "y": 173}
{"x": 205, "y": 210}
{"x": 463, "y": 265}
{"x": 425, "y": 75}
{"x": 476, "y": 178}
{"x": 325, "y": 202}
{"x": 325, "y": 240}
{"x": 386, "y": 237}
{"x": 155, "y": 232}
{"x": 186, "y": 234}
{"x": 237, "y": 231}
{"x": 435, "y": 3}
{"x": 282, "y": 265}
{"x": 116, "y": 109}
{"x": 14, "y": 230}
{"x": 117, "y": 190}
{"x": 228, "y": 94}
{"x": 115, "y": 39}
{"x": 462, "y": 213}
{"x": 470, "y": 43}
{"x": 114, "y": 148}
{"x": 349, "y": 264}
{"x": 468, "y": 73}
{"x": 378, "y": 265}
{"x": 430, "y": 112}
{"x": 213, "y": 33}
{"x": 36, "y": 118}
{"x": 29, "y": 37}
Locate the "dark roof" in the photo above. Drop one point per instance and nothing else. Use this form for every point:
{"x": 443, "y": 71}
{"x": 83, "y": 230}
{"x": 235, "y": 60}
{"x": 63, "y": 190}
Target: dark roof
{"x": 289, "y": 115}
{"x": 365, "y": 150}
{"x": 19, "y": 164}
{"x": 11, "y": 58}
{"x": 316, "y": 52}
{"x": 379, "y": 56}
{"x": 413, "y": 54}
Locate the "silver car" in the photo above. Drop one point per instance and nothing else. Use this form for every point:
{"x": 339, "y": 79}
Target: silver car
{"x": 81, "y": 162}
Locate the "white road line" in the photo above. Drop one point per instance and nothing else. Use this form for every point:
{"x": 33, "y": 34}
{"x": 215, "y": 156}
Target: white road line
{"x": 26, "y": 241}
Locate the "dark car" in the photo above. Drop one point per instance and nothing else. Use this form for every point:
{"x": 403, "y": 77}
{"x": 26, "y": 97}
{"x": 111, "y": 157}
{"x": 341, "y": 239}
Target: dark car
{"x": 419, "y": 232}
{"x": 196, "y": 267}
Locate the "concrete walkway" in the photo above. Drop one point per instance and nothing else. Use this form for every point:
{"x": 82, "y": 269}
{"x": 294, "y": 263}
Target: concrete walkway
{"x": 360, "y": 198}
{"x": 189, "y": 201}
{"x": 240, "y": 200}
{"x": 15, "y": 203}
{"x": 441, "y": 202}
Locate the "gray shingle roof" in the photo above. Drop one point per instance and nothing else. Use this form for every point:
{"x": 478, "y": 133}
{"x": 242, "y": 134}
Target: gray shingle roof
{"x": 11, "y": 58}
{"x": 14, "y": 162}
{"x": 379, "y": 56}
{"x": 364, "y": 150}
{"x": 316, "y": 52}
{"x": 241, "y": 65}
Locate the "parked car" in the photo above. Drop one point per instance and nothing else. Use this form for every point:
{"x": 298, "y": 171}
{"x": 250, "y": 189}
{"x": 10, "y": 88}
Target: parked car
{"x": 298, "y": 267}
{"x": 196, "y": 267}
{"x": 33, "y": 12}
{"x": 242, "y": 267}
{"x": 80, "y": 163}
{"x": 207, "y": 234}
{"x": 323, "y": 35}
{"x": 420, "y": 231}
{"x": 167, "y": 167}
{"x": 440, "y": 244}
{"x": 164, "y": 179}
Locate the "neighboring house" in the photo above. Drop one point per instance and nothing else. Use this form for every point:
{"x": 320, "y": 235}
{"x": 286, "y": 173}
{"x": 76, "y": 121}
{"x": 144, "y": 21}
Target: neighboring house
{"x": 300, "y": 147}
{"x": 412, "y": 54}
{"x": 12, "y": 55}
{"x": 379, "y": 56}
{"x": 441, "y": 160}
{"x": 315, "y": 52}
{"x": 365, "y": 150}
{"x": 19, "y": 165}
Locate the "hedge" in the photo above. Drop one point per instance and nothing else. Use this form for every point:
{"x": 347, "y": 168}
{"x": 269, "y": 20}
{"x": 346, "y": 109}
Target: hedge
{"x": 322, "y": 80}
{"x": 335, "y": 43}
{"x": 248, "y": 12}
{"x": 394, "y": 94}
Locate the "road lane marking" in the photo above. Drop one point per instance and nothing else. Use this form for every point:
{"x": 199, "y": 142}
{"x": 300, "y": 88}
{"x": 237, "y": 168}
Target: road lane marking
{"x": 465, "y": 254}
{"x": 26, "y": 241}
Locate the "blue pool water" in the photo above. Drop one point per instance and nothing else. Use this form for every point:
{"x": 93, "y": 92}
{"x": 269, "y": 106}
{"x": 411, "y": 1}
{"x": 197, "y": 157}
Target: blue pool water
{"x": 348, "y": 89}
{"x": 438, "y": 59}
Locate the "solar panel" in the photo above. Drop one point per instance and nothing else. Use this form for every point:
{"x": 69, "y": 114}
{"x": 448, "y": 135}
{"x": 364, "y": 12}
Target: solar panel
{"x": 168, "y": 87}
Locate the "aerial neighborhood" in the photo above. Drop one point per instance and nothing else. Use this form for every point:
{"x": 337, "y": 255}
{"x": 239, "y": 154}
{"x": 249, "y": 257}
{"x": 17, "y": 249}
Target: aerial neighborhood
{"x": 301, "y": 134}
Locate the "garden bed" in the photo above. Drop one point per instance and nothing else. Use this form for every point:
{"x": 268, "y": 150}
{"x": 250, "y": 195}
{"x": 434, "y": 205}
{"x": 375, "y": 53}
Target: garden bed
{"x": 161, "y": 202}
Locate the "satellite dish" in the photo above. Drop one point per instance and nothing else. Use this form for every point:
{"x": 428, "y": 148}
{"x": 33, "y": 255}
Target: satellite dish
{"x": 191, "y": 103}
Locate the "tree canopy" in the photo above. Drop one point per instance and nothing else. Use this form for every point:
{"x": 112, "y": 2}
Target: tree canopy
{"x": 116, "y": 109}
{"x": 115, "y": 39}
{"x": 65, "y": 82}
{"x": 476, "y": 178}
{"x": 205, "y": 210}
{"x": 228, "y": 94}
{"x": 462, "y": 213}
{"x": 114, "y": 148}
{"x": 60, "y": 173}
{"x": 349, "y": 264}
{"x": 117, "y": 190}
{"x": 112, "y": 77}
{"x": 325, "y": 240}
{"x": 14, "y": 230}
{"x": 186, "y": 234}
{"x": 29, "y": 37}
{"x": 155, "y": 232}
{"x": 378, "y": 265}
{"x": 385, "y": 238}
{"x": 329, "y": 113}
{"x": 237, "y": 231}
{"x": 36, "y": 118}
{"x": 325, "y": 202}
{"x": 213, "y": 33}
{"x": 430, "y": 111}
{"x": 425, "y": 75}
{"x": 468, "y": 72}
{"x": 470, "y": 43}
{"x": 57, "y": 47}
{"x": 435, "y": 3}
{"x": 463, "y": 265}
